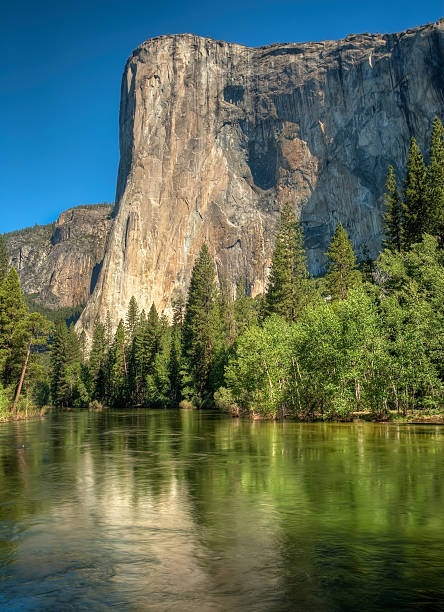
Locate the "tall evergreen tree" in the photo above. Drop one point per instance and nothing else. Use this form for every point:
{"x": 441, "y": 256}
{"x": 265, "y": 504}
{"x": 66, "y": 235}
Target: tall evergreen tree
{"x": 198, "y": 327}
{"x": 32, "y": 330}
{"x": 12, "y": 312}
{"x": 97, "y": 362}
{"x": 415, "y": 203}
{"x": 4, "y": 258}
{"x": 245, "y": 308}
{"x": 435, "y": 219}
{"x": 342, "y": 274}
{"x": 119, "y": 368}
{"x": 288, "y": 286}
{"x": 67, "y": 385}
{"x": 132, "y": 318}
{"x": 393, "y": 215}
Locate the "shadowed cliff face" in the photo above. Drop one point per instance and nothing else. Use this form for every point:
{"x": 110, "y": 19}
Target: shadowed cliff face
{"x": 216, "y": 137}
{"x": 59, "y": 263}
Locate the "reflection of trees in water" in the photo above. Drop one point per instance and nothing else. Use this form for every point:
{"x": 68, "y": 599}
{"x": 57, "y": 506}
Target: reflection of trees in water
{"x": 311, "y": 511}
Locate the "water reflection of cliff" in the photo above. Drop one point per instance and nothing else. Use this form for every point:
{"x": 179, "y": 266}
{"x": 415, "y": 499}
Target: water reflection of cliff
{"x": 184, "y": 506}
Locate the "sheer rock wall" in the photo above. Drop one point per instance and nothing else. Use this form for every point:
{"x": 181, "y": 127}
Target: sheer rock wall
{"x": 215, "y": 137}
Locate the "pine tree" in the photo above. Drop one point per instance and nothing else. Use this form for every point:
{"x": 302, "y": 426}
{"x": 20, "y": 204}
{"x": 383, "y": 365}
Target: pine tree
{"x": 12, "y": 312}
{"x": 66, "y": 374}
{"x": 108, "y": 330}
{"x": 97, "y": 362}
{"x": 59, "y": 363}
{"x": 32, "y": 330}
{"x": 175, "y": 364}
{"x": 287, "y": 292}
{"x": 415, "y": 203}
{"x": 4, "y": 258}
{"x": 132, "y": 318}
{"x": 393, "y": 216}
{"x": 119, "y": 369}
{"x": 342, "y": 274}
{"x": 435, "y": 219}
{"x": 245, "y": 308}
{"x": 198, "y": 327}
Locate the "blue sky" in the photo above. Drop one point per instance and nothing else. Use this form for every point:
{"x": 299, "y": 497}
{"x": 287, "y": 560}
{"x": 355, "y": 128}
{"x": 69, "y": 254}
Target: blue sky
{"x": 61, "y": 64}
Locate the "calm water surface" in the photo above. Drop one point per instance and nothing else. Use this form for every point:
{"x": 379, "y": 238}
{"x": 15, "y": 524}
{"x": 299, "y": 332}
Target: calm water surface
{"x": 175, "y": 510}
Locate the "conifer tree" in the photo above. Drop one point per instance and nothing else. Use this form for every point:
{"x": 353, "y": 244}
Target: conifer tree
{"x": 415, "y": 203}
{"x": 198, "y": 327}
{"x": 97, "y": 362}
{"x": 287, "y": 291}
{"x": 393, "y": 216}
{"x": 245, "y": 311}
{"x": 12, "y": 312}
{"x": 59, "y": 363}
{"x": 67, "y": 385}
{"x": 4, "y": 258}
{"x": 108, "y": 330}
{"x": 32, "y": 330}
{"x": 132, "y": 318}
{"x": 119, "y": 369}
{"x": 342, "y": 274}
{"x": 435, "y": 219}
{"x": 174, "y": 366}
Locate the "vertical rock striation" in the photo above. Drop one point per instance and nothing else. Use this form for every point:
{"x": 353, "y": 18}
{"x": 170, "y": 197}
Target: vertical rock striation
{"x": 215, "y": 137}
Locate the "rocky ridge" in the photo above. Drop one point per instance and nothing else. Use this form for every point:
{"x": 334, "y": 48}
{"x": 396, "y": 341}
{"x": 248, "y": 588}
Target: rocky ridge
{"x": 59, "y": 263}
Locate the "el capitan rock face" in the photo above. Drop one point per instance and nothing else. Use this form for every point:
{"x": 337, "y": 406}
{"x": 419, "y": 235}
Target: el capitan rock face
{"x": 215, "y": 137}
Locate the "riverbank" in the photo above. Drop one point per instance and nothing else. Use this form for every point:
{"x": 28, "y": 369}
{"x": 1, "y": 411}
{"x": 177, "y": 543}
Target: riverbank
{"x": 32, "y": 413}
{"x": 425, "y": 417}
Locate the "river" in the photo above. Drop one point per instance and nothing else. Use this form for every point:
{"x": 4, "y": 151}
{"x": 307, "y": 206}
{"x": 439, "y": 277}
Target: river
{"x": 195, "y": 511}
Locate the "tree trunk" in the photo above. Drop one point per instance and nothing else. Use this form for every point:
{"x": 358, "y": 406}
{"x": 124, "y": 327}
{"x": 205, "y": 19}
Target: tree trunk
{"x": 22, "y": 377}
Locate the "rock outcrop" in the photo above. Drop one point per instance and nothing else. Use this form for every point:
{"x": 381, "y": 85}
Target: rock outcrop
{"x": 215, "y": 137}
{"x": 59, "y": 263}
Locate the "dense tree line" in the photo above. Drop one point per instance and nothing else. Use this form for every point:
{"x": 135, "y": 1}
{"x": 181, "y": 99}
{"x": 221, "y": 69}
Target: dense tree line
{"x": 362, "y": 338}
{"x": 23, "y": 376}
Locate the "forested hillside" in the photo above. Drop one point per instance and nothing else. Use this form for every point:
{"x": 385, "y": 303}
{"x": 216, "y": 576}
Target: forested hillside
{"x": 364, "y": 338}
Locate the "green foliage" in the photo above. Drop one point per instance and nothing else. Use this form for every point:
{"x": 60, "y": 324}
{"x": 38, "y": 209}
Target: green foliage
{"x": 98, "y": 361}
{"x": 393, "y": 220}
{"x": 69, "y": 314}
{"x": 258, "y": 373}
{"x": 342, "y": 272}
{"x": 201, "y": 326}
{"x": 415, "y": 197}
{"x": 68, "y": 387}
{"x": 375, "y": 346}
{"x": 288, "y": 288}
{"x": 119, "y": 368}
{"x": 434, "y": 224}
{"x": 413, "y": 312}
{"x": 4, "y": 259}
{"x": 12, "y": 313}
{"x": 132, "y": 318}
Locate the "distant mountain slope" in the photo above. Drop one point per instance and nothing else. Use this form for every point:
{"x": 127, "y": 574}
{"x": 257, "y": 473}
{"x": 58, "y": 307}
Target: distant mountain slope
{"x": 58, "y": 263}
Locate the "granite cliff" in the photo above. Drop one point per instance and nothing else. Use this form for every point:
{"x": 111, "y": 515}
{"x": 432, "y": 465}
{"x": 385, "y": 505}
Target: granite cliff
{"x": 215, "y": 137}
{"x": 58, "y": 264}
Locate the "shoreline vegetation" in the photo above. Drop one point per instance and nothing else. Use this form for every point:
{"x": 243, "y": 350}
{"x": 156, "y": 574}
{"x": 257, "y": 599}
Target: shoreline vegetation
{"x": 415, "y": 417}
{"x": 365, "y": 341}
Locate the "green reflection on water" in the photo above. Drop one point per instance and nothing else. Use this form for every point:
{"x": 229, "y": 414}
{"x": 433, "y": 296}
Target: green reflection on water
{"x": 160, "y": 509}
